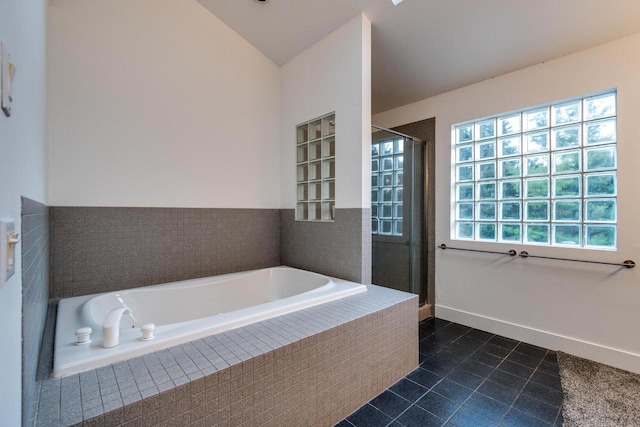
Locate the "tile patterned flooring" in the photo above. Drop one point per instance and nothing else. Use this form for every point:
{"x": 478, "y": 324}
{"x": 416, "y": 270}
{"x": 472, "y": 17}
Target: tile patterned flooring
{"x": 469, "y": 377}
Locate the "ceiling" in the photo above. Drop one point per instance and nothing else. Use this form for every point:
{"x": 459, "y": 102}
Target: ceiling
{"x": 422, "y": 48}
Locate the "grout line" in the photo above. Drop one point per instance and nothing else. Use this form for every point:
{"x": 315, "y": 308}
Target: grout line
{"x": 475, "y": 390}
{"x": 414, "y": 403}
{"x": 438, "y": 382}
{"x": 422, "y": 395}
{"x": 523, "y": 386}
{"x": 479, "y": 385}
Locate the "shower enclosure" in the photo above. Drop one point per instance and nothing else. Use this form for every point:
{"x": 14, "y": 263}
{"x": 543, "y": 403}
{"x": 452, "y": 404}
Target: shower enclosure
{"x": 398, "y": 223}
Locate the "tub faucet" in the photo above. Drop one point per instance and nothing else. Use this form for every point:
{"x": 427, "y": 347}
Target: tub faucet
{"x": 111, "y": 326}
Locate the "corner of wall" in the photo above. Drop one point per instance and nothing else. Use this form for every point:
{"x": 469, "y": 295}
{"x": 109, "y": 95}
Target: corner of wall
{"x": 35, "y": 297}
{"x": 545, "y": 291}
{"x": 24, "y": 140}
{"x": 332, "y": 75}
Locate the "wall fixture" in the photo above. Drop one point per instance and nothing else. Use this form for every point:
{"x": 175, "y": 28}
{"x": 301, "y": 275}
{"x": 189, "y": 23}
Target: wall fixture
{"x": 628, "y": 263}
{"x": 7, "y": 71}
{"x": 8, "y": 242}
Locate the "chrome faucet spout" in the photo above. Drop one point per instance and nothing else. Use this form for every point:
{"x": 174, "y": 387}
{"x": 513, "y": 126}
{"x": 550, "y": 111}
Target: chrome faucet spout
{"x": 111, "y": 326}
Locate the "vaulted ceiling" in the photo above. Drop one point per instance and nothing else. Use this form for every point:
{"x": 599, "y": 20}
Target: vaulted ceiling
{"x": 422, "y": 48}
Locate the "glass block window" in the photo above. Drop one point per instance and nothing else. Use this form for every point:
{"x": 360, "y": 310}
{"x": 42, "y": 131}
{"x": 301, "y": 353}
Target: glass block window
{"x": 316, "y": 169}
{"x": 387, "y": 168}
{"x": 545, "y": 175}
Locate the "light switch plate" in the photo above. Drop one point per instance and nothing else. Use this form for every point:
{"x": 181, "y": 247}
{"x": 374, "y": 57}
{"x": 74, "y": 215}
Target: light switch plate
{"x": 7, "y": 251}
{"x": 2, "y": 62}
{"x": 6, "y": 76}
{"x": 3, "y": 73}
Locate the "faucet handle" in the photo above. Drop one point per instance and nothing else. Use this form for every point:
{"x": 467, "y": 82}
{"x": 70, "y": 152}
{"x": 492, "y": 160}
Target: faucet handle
{"x": 147, "y": 332}
{"x": 83, "y": 335}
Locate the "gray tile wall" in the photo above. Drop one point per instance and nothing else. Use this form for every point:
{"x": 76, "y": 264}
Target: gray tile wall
{"x": 99, "y": 249}
{"x": 340, "y": 249}
{"x": 391, "y": 265}
{"x": 35, "y": 297}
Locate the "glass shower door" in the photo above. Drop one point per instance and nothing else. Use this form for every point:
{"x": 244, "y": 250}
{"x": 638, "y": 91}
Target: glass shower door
{"x": 397, "y": 211}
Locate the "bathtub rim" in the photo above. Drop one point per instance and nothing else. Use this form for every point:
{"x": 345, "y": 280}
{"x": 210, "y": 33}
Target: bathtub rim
{"x": 88, "y": 318}
{"x": 130, "y": 338}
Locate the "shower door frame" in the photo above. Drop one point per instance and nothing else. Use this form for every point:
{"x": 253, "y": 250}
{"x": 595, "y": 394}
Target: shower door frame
{"x": 417, "y": 204}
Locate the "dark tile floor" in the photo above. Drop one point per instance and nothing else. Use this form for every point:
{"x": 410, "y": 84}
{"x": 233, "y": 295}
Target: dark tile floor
{"x": 469, "y": 377}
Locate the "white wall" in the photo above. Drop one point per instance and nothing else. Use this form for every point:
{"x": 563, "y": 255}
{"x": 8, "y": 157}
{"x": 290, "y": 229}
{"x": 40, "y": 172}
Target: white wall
{"x": 23, "y": 172}
{"x": 588, "y": 310}
{"x": 158, "y": 103}
{"x": 332, "y": 75}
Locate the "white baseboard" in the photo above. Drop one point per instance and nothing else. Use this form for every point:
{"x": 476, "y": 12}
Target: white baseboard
{"x": 587, "y": 350}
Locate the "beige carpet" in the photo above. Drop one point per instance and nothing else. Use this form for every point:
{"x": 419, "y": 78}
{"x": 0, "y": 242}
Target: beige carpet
{"x": 598, "y": 395}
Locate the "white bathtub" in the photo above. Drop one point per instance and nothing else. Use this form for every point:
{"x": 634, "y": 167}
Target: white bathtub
{"x": 184, "y": 311}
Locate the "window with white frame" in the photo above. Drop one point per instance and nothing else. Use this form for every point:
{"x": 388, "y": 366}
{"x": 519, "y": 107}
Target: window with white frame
{"x": 545, "y": 175}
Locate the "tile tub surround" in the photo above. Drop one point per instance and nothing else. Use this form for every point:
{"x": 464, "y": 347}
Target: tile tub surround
{"x": 35, "y": 296}
{"x": 340, "y": 249}
{"x": 312, "y": 367}
{"x": 100, "y": 249}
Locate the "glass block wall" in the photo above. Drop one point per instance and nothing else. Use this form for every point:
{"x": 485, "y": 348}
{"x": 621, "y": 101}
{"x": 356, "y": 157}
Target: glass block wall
{"x": 545, "y": 175}
{"x": 316, "y": 169}
{"x": 387, "y": 165}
